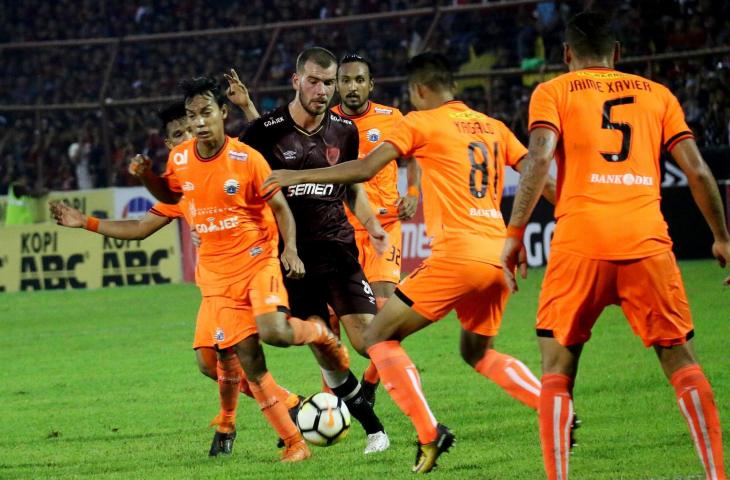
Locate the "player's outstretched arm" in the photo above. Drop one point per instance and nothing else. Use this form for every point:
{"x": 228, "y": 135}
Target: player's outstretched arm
{"x": 706, "y": 195}
{"x": 123, "y": 229}
{"x": 141, "y": 167}
{"x": 287, "y": 227}
{"x": 348, "y": 172}
{"x": 533, "y": 178}
{"x": 238, "y": 95}
{"x": 357, "y": 202}
{"x": 408, "y": 204}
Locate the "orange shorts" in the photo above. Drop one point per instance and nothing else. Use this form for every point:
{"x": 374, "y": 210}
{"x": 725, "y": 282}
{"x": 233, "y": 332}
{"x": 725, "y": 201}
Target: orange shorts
{"x": 385, "y": 267}
{"x": 649, "y": 290}
{"x": 229, "y": 316}
{"x": 476, "y": 290}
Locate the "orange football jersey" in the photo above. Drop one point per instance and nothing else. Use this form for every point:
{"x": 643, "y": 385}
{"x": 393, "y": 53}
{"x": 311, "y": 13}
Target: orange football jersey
{"x": 612, "y": 127}
{"x": 462, "y": 154}
{"x": 224, "y": 202}
{"x": 373, "y": 125}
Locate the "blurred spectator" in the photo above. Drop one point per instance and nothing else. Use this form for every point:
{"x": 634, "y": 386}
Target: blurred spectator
{"x": 71, "y": 152}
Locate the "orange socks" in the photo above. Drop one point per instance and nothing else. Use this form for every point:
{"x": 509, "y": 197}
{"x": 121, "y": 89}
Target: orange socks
{"x": 229, "y": 380}
{"x": 512, "y": 375}
{"x": 556, "y": 418}
{"x": 267, "y": 392}
{"x": 306, "y": 332}
{"x": 400, "y": 378}
{"x": 697, "y": 404}
{"x": 371, "y": 374}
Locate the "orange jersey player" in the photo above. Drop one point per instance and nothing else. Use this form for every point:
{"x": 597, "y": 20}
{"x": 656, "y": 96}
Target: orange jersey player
{"x": 177, "y": 130}
{"x": 220, "y": 179}
{"x": 462, "y": 154}
{"x": 606, "y": 130}
{"x": 375, "y": 122}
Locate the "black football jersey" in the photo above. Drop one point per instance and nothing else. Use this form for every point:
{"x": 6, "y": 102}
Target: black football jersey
{"x": 318, "y": 208}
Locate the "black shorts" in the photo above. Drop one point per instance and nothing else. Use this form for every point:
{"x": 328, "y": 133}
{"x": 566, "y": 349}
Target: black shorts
{"x": 332, "y": 276}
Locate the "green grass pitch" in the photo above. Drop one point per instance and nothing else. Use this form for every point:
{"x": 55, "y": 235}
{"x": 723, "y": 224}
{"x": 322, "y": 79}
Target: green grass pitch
{"x": 103, "y": 384}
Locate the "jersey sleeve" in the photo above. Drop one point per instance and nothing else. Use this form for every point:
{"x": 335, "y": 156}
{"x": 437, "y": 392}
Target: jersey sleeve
{"x": 169, "y": 174}
{"x": 674, "y": 126}
{"x": 514, "y": 149}
{"x": 544, "y": 109}
{"x": 166, "y": 210}
{"x": 406, "y": 136}
{"x": 260, "y": 171}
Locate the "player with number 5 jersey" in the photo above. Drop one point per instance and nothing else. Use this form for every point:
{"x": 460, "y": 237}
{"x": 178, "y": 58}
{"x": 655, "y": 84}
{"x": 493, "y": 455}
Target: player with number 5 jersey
{"x": 463, "y": 155}
{"x": 606, "y": 130}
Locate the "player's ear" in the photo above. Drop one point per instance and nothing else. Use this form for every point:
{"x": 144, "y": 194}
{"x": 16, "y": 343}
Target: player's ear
{"x": 295, "y": 81}
{"x": 616, "y": 51}
{"x": 567, "y": 54}
{"x": 168, "y": 144}
{"x": 224, "y": 111}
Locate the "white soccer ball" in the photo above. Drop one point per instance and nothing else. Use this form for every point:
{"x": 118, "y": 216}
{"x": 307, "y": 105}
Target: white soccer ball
{"x": 323, "y": 419}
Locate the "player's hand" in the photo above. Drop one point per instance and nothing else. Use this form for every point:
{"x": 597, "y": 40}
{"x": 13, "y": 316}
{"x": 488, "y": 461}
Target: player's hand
{"x": 139, "y": 165}
{"x": 65, "y": 215}
{"x": 513, "y": 256}
{"x": 378, "y": 237}
{"x": 195, "y": 238}
{"x": 280, "y": 179}
{"x": 721, "y": 251}
{"x": 237, "y": 92}
{"x": 292, "y": 263}
{"x": 407, "y": 207}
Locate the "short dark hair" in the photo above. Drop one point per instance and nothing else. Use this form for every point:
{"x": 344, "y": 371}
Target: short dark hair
{"x": 172, "y": 112}
{"x": 589, "y": 34}
{"x": 321, "y": 56}
{"x": 355, "y": 58}
{"x": 431, "y": 69}
{"x": 203, "y": 85}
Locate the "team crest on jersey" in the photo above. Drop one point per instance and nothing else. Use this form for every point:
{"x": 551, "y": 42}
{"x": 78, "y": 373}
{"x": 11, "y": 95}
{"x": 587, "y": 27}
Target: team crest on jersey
{"x": 188, "y": 186}
{"x": 333, "y": 154}
{"x": 373, "y": 135}
{"x": 240, "y": 156}
{"x": 231, "y": 186}
{"x": 219, "y": 335}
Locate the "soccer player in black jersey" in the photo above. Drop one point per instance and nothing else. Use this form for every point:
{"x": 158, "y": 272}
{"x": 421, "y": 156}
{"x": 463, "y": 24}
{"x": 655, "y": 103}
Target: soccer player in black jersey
{"x": 305, "y": 134}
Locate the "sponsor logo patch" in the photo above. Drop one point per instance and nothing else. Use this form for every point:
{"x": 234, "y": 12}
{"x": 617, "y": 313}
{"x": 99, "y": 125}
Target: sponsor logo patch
{"x": 290, "y": 155}
{"x": 255, "y": 251}
{"x": 188, "y": 186}
{"x": 383, "y": 111}
{"x": 273, "y": 121}
{"x": 240, "y": 156}
{"x": 627, "y": 179}
{"x": 220, "y": 335}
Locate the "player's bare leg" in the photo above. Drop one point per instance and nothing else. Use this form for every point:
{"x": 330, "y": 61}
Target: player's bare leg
{"x": 510, "y": 374}
{"x": 207, "y": 359}
{"x": 390, "y": 326}
{"x": 266, "y": 392}
{"x": 559, "y": 367}
{"x": 370, "y": 378}
{"x": 278, "y": 330}
{"x": 697, "y": 404}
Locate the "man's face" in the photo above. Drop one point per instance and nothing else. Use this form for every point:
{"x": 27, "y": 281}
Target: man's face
{"x": 178, "y": 131}
{"x": 315, "y": 86}
{"x": 206, "y": 118}
{"x": 354, "y": 84}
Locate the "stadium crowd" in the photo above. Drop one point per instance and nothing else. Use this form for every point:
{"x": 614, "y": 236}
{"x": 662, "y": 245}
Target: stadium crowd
{"x": 69, "y": 145}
